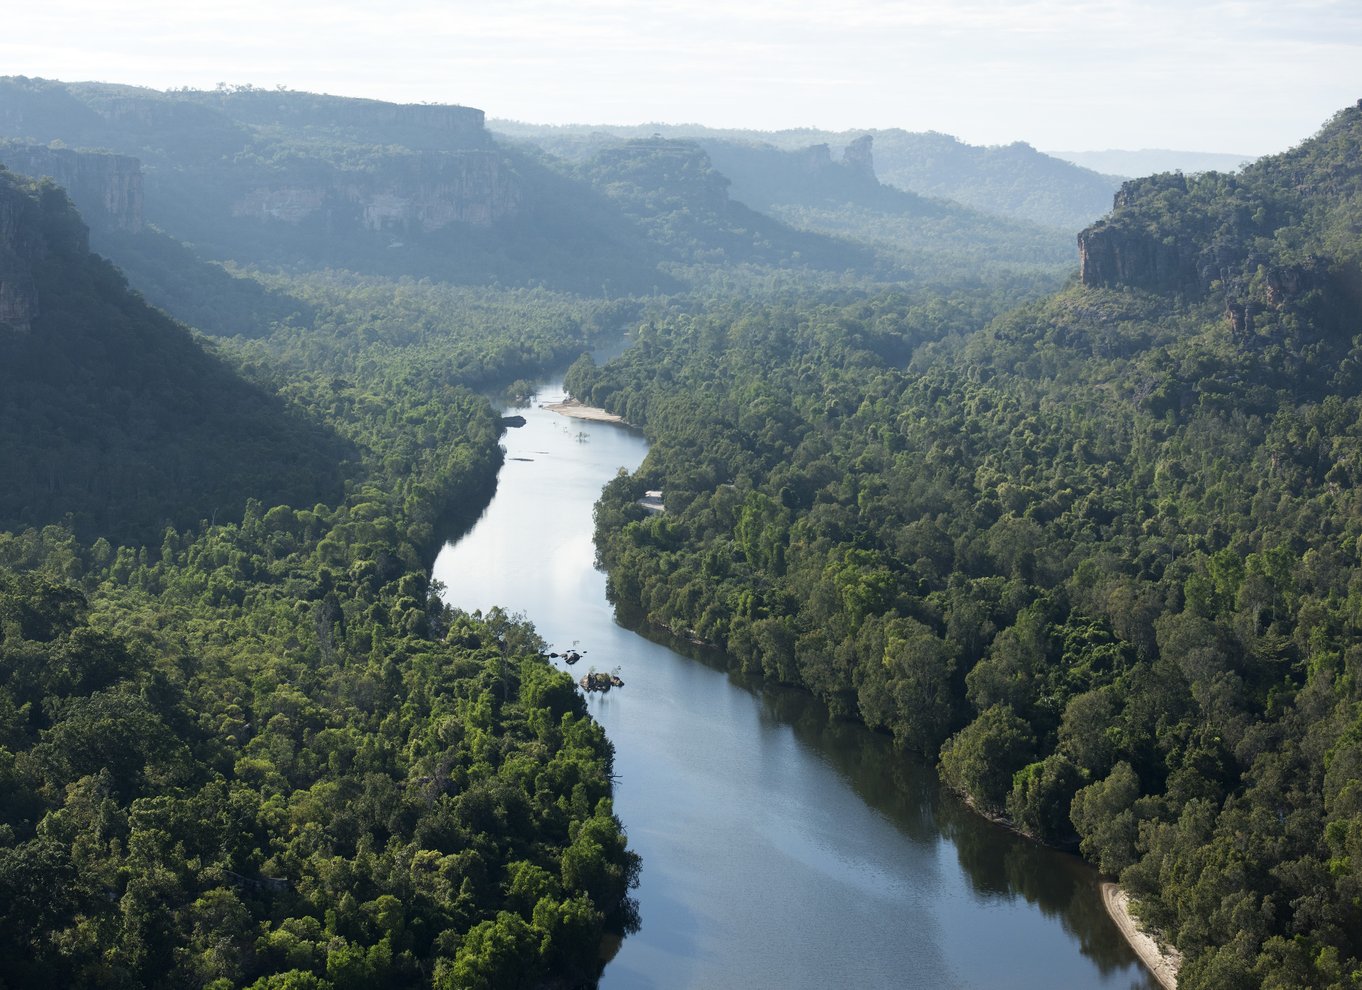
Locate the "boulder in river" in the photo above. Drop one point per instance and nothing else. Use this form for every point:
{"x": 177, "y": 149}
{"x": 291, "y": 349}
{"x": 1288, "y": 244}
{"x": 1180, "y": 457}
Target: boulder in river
{"x": 596, "y": 680}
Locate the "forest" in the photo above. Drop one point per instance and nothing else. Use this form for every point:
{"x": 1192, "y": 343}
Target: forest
{"x": 242, "y": 740}
{"x": 1089, "y": 543}
{"x": 1099, "y": 557}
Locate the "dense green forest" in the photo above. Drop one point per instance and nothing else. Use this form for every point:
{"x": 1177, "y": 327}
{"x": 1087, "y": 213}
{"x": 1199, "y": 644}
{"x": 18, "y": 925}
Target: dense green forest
{"x": 1098, "y": 554}
{"x": 1097, "y": 551}
{"x": 256, "y": 749}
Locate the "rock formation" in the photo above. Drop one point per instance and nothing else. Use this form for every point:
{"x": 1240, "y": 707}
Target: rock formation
{"x": 859, "y": 156}
{"x": 32, "y": 223}
{"x": 428, "y": 191}
{"x": 1112, "y": 255}
{"x": 106, "y": 188}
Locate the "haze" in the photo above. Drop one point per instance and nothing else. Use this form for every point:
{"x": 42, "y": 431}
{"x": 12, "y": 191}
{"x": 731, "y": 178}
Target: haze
{"x": 1240, "y": 76}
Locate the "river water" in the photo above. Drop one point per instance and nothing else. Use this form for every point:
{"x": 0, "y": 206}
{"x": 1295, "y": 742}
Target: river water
{"x": 780, "y": 848}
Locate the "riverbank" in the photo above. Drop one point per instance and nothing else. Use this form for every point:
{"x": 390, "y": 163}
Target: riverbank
{"x": 578, "y": 410}
{"x": 1162, "y": 963}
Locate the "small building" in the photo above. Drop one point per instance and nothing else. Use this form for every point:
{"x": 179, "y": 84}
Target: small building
{"x": 652, "y": 501}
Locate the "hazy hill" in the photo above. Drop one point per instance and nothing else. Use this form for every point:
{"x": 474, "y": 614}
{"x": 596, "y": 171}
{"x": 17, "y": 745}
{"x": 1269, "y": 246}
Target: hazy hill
{"x": 302, "y": 181}
{"x": 113, "y": 413}
{"x": 1013, "y": 181}
{"x": 810, "y": 189}
{"x": 673, "y": 190}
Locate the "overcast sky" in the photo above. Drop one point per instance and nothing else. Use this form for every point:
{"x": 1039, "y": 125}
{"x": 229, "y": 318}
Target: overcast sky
{"x": 1243, "y": 76}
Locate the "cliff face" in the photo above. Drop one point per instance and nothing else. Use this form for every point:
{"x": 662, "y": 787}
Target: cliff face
{"x": 859, "y": 156}
{"x": 19, "y": 248}
{"x": 1132, "y": 247}
{"x": 33, "y": 223}
{"x": 1111, "y": 255}
{"x": 106, "y": 188}
{"x": 427, "y": 192}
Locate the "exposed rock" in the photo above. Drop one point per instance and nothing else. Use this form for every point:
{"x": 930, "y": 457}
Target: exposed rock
{"x": 34, "y": 220}
{"x": 106, "y": 188}
{"x": 287, "y": 204}
{"x": 1287, "y": 282}
{"x": 599, "y": 681}
{"x": 428, "y": 192}
{"x": 859, "y": 156}
{"x": 20, "y": 246}
{"x": 18, "y": 297}
{"x": 1111, "y": 255}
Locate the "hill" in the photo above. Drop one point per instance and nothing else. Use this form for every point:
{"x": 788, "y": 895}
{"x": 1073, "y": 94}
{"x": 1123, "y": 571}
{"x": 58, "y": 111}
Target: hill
{"x": 673, "y": 191}
{"x": 113, "y": 414}
{"x": 1013, "y": 181}
{"x": 302, "y": 182}
{"x": 1098, "y": 555}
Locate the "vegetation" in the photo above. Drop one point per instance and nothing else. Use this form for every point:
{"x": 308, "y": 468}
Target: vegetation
{"x": 1098, "y": 554}
{"x": 258, "y": 750}
{"x": 1013, "y": 181}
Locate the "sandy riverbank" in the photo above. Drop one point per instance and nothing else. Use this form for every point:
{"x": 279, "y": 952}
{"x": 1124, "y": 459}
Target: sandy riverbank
{"x": 575, "y": 409}
{"x": 1162, "y": 963}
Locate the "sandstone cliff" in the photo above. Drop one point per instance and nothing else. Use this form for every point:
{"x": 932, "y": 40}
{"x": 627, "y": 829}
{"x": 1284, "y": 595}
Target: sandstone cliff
{"x": 106, "y": 188}
{"x": 1111, "y": 255}
{"x": 860, "y": 158}
{"x": 19, "y": 247}
{"x": 34, "y": 220}
{"x": 427, "y": 192}
{"x": 1130, "y": 247}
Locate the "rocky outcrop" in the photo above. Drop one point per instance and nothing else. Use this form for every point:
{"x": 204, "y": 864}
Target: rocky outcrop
{"x": 1131, "y": 247}
{"x": 18, "y": 297}
{"x": 35, "y": 220}
{"x": 860, "y": 158}
{"x": 106, "y": 188}
{"x": 20, "y": 246}
{"x": 436, "y": 190}
{"x": 1115, "y": 254}
{"x": 425, "y": 192}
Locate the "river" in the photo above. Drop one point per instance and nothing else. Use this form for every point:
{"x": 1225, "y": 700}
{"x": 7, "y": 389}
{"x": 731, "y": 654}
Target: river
{"x": 780, "y": 848}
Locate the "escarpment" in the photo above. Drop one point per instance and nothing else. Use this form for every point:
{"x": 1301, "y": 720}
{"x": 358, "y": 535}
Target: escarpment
{"x": 106, "y": 188}
{"x": 34, "y": 221}
{"x": 428, "y": 192}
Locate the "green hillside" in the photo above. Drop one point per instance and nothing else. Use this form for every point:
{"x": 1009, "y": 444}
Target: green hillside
{"x": 242, "y": 740}
{"x": 114, "y": 416}
{"x": 1099, "y": 555}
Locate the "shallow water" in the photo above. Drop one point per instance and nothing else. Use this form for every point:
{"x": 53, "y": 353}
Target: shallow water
{"x": 780, "y": 848}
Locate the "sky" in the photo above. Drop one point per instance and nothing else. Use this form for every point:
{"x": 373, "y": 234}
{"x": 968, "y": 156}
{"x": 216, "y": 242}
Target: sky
{"x": 1246, "y": 77}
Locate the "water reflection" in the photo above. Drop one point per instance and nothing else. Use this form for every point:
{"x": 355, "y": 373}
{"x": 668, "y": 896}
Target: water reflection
{"x": 780, "y": 847}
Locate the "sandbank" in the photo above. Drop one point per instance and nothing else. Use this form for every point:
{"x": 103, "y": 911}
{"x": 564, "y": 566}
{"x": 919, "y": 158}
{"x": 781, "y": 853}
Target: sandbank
{"x": 1163, "y": 963}
{"x": 575, "y": 409}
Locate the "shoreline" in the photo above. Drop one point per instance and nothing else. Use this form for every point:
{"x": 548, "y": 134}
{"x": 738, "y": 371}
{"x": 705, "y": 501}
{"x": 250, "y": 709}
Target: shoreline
{"x": 1161, "y": 963}
{"x": 575, "y": 409}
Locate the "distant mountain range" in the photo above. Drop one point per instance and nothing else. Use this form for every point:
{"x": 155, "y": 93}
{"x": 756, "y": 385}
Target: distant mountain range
{"x": 1013, "y": 181}
{"x": 302, "y": 182}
